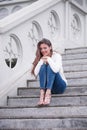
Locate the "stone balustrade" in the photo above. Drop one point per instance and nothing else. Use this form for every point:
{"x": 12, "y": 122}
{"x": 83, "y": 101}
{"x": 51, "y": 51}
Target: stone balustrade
{"x": 8, "y": 7}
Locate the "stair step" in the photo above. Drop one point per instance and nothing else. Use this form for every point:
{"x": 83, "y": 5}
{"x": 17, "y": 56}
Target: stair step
{"x": 33, "y": 83}
{"x": 56, "y": 101}
{"x": 77, "y": 82}
{"x": 75, "y": 62}
{"x": 73, "y": 80}
{"x": 70, "y": 68}
{"x": 44, "y": 112}
{"x": 76, "y": 50}
{"x": 74, "y": 56}
{"x": 28, "y": 91}
{"x": 69, "y": 91}
{"x": 80, "y": 74}
{"x": 44, "y": 124}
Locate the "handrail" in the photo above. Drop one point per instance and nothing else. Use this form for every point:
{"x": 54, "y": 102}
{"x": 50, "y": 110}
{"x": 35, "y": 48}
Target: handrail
{"x": 20, "y": 16}
{"x": 3, "y": 2}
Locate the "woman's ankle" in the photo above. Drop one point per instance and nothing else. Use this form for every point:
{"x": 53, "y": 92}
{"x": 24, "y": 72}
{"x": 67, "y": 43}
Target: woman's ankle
{"x": 47, "y": 97}
{"x": 42, "y": 91}
{"x": 42, "y": 97}
{"x": 48, "y": 91}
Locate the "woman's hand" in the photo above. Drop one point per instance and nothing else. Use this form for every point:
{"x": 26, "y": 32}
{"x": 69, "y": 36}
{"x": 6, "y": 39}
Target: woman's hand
{"x": 44, "y": 58}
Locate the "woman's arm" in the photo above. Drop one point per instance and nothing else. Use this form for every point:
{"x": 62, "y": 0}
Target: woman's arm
{"x": 37, "y": 68}
{"x": 55, "y": 62}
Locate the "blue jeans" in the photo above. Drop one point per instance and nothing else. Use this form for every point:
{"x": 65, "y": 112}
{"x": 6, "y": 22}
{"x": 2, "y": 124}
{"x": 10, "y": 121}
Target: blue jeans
{"x": 51, "y": 80}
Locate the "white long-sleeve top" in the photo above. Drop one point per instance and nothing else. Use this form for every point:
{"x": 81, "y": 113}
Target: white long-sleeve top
{"x": 55, "y": 62}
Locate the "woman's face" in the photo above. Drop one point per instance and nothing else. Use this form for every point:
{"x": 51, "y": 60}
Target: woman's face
{"x": 45, "y": 49}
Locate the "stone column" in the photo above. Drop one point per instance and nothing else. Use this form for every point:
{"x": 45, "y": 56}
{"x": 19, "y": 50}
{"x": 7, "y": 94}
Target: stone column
{"x": 66, "y": 19}
{"x": 85, "y": 31}
{"x": 85, "y": 26}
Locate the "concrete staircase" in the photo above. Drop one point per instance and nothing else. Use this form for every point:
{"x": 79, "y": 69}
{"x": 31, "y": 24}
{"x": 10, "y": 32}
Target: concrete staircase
{"x": 67, "y": 111}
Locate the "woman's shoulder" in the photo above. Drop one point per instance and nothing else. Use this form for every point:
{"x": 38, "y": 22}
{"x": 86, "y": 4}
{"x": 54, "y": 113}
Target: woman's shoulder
{"x": 56, "y": 56}
{"x": 55, "y": 53}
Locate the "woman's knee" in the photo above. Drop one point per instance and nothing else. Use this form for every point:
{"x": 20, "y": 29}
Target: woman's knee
{"x": 43, "y": 68}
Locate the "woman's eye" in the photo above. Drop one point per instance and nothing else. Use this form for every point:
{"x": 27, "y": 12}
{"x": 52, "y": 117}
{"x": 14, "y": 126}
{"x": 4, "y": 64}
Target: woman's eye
{"x": 45, "y": 48}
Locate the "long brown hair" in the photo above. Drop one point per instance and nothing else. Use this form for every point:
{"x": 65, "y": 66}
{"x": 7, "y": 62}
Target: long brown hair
{"x": 38, "y": 52}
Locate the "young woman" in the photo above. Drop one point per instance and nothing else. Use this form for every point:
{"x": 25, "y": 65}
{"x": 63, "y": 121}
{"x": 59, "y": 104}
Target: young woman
{"x": 48, "y": 65}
